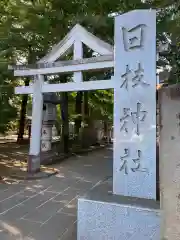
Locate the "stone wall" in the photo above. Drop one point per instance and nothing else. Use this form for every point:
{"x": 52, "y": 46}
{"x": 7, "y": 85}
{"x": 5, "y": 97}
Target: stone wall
{"x": 169, "y": 142}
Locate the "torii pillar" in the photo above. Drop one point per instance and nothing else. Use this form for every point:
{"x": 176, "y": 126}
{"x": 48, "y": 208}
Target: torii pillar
{"x": 37, "y": 115}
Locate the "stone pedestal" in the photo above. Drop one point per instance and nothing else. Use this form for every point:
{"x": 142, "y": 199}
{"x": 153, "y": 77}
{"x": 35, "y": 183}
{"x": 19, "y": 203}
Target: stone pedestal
{"x": 103, "y": 216}
{"x": 46, "y": 138}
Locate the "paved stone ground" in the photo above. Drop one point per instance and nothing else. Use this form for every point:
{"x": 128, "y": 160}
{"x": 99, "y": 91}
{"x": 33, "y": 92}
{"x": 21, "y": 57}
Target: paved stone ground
{"x": 46, "y": 209}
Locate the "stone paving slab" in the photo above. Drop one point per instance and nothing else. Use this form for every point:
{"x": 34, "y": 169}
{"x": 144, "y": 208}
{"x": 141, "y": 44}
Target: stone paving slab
{"x": 18, "y": 229}
{"x": 43, "y": 213}
{"x": 9, "y": 203}
{"x": 64, "y": 198}
{"x": 14, "y": 214}
{"x": 71, "y": 233}
{"x": 46, "y": 209}
{"x": 24, "y": 175}
{"x": 70, "y": 208}
{"x": 74, "y": 192}
{"x": 54, "y": 228}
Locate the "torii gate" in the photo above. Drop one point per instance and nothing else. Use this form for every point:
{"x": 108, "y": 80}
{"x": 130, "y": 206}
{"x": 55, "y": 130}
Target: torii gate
{"x": 134, "y": 84}
{"x": 47, "y": 65}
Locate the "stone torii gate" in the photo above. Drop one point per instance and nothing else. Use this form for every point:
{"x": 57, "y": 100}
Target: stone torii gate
{"x": 134, "y": 149}
{"x": 48, "y": 66}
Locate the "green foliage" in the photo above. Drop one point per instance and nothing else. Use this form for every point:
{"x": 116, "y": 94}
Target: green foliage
{"x": 29, "y": 28}
{"x": 8, "y": 110}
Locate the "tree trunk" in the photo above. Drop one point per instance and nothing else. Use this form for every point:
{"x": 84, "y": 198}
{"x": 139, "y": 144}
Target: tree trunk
{"x": 65, "y": 122}
{"x": 23, "y": 114}
{"x": 78, "y": 111}
{"x": 86, "y": 132}
{"x": 86, "y": 107}
{"x": 106, "y": 133}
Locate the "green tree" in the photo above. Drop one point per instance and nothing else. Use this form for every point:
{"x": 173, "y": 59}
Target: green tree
{"x": 30, "y": 28}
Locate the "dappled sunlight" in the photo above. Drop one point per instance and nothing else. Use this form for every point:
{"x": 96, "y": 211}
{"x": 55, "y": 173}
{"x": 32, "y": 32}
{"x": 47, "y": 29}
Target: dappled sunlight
{"x": 12, "y": 230}
{"x": 19, "y": 153}
{"x": 3, "y": 155}
{"x": 13, "y": 157}
{"x": 13, "y": 161}
{"x": 88, "y": 165}
{"x": 8, "y": 167}
{"x": 29, "y": 189}
{"x": 71, "y": 206}
{"x": 65, "y": 202}
{"x": 9, "y": 181}
{"x": 10, "y": 145}
{"x": 38, "y": 186}
{"x": 85, "y": 181}
{"x": 35, "y": 190}
{"x": 60, "y": 175}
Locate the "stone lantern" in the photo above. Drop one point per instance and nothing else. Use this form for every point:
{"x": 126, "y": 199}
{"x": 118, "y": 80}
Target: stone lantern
{"x": 50, "y": 100}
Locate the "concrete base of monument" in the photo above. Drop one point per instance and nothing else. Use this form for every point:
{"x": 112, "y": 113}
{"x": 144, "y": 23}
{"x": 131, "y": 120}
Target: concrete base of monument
{"x": 103, "y": 216}
{"x": 33, "y": 164}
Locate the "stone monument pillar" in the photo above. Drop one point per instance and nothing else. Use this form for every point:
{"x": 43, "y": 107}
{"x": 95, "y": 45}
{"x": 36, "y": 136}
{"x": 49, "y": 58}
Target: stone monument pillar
{"x": 132, "y": 211}
{"x": 135, "y": 105}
